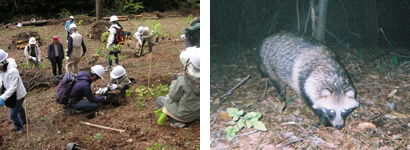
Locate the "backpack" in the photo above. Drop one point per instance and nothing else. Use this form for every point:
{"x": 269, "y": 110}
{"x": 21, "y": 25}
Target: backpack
{"x": 64, "y": 88}
{"x": 119, "y": 37}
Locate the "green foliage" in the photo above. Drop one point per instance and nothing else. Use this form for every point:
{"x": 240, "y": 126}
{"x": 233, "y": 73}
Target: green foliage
{"x": 43, "y": 118}
{"x": 105, "y": 36}
{"x": 189, "y": 19}
{"x": 394, "y": 61}
{"x": 194, "y": 3}
{"x": 231, "y": 132}
{"x": 156, "y": 27}
{"x": 234, "y": 113}
{"x": 251, "y": 119}
{"x": 140, "y": 104}
{"x": 98, "y": 136}
{"x": 64, "y": 13}
{"x": 158, "y": 146}
{"x": 79, "y": 22}
{"x": 128, "y": 92}
{"x": 128, "y": 6}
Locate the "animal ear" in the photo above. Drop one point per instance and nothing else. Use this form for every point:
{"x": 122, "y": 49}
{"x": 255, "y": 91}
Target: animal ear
{"x": 350, "y": 93}
{"x": 325, "y": 93}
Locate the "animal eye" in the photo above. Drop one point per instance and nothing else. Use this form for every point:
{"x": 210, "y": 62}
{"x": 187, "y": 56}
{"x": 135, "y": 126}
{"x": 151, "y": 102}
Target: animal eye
{"x": 346, "y": 111}
{"x": 331, "y": 113}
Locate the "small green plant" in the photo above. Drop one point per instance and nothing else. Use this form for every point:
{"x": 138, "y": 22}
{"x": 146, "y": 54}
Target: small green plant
{"x": 158, "y": 146}
{"x": 140, "y": 104}
{"x": 128, "y": 6}
{"x": 189, "y": 19}
{"x": 156, "y": 28}
{"x": 79, "y": 22}
{"x": 128, "y": 93}
{"x": 251, "y": 119}
{"x": 43, "y": 118}
{"x": 98, "y": 136}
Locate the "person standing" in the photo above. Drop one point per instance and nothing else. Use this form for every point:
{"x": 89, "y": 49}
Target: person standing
{"x": 33, "y": 53}
{"x": 67, "y": 25}
{"x": 112, "y": 47}
{"x": 55, "y": 54}
{"x": 13, "y": 91}
{"x": 74, "y": 52}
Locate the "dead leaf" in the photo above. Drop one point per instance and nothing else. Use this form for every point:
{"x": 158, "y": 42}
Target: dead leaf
{"x": 365, "y": 125}
{"x": 224, "y": 116}
{"x": 392, "y": 93}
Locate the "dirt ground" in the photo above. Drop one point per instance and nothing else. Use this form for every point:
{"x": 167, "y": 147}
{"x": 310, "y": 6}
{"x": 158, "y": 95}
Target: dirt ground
{"x": 51, "y": 128}
{"x": 374, "y": 125}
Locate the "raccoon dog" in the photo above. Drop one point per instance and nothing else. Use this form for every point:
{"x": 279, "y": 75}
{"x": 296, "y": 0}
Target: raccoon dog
{"x": 311, "y": 70}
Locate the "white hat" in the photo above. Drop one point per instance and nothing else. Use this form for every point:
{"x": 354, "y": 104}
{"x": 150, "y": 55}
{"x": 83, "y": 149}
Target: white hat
{"x": 32, "y": 40}
{"x": 117, "y": 72}
{"x": 191, "y": 60}
{"x": 71, "y": 17}
{"x": 113, "y": 18}
{"x": 3, "y": 55}
{"x": 73, "y": 26}
{"x": 140, "y": 30}
{"x": 99, "y": 70}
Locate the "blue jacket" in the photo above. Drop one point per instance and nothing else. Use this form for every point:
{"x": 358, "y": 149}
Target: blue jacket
{"x": 67, "y": 25}
{"x": 50, "y": 51}
{"x": 82, "y": 88}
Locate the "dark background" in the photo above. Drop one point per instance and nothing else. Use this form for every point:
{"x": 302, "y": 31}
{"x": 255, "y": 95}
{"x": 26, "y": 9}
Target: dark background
{"x": 15, "y": 10}
{"x": 237, "y": 25}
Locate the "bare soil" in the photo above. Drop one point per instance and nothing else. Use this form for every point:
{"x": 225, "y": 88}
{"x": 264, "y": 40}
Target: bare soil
{"x": 374, "y": 125}
{"x": 51, "y": 128}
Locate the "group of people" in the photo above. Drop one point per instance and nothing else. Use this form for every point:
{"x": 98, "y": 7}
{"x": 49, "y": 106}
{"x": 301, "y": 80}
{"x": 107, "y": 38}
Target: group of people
{"x": 181, "y": 105}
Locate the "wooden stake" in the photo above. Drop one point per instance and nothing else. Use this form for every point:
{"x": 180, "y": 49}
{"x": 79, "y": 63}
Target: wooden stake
{"x": 103, "y": 127}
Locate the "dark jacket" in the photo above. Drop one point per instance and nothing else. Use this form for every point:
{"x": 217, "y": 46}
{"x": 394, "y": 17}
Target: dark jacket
{"x": 50, "y": 51}
{"x": 82, "y": 88}
{"x": 192, "y": 34}
{"x": 183, "y": 98}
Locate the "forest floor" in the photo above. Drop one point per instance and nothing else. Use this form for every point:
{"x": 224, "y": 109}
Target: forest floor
{"x": 381, "y": 79}
{"x": 51, "y": 128}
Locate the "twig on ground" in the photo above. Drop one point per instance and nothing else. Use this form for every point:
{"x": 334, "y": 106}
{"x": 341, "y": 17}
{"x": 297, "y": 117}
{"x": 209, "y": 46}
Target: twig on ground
{"x": 236, "y": 86}
{"x": 377, "y": 116}
{"x": 400, "y": 55}
{"x": 103, "y": 127}
{"x": 252, "y": 132}
{"x": 385, "y": 37}
{"x": 291, "y": 142}
{"x": 264, "y": 92}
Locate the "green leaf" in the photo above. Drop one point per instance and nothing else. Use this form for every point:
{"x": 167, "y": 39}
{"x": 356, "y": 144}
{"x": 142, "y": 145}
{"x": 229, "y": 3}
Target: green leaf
{"x": 230, "y": 132}
{"x": 251, "y": 115}
{"x": 394, "y": 60}
{"x": 241, "y": 123}
{"x": 234, "y": 113}
{"x": 259, "y": 125}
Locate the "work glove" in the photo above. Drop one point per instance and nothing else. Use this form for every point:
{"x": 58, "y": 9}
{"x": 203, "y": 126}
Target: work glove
{"x": 39, "y": 60}
{"x": 1, "y": 102}
{"x": 34, "y": 59}
{"x": 162, "y": 116}
{"x": 104, "y": 90}
{"x": 99, "y": 91}
{"x": 67, "y": 58}
{"x": 183, "y": 36}
{"x": 113, "y": 87}
{"x": 83, "y": 54}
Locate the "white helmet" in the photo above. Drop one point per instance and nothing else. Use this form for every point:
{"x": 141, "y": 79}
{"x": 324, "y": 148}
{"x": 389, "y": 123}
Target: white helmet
{"x": 117, "y": 72}
{"x": 146, "y": 29}
{"x": 113, "y": 18}
{"x": 71, "y": 17}
{"x": 191, "y": 56}
{"x": 3, "y": 55}
{"x": 99, "y": 70}
{"x": 32, "y": 40}
{"x": 73, "y": 26}
{"x": 140, "y": 30}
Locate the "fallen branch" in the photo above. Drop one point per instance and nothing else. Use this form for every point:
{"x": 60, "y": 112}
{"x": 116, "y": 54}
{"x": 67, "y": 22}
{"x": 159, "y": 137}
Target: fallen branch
{"x": 264, "y": 92}
{"x": 291, "y": 142}
{"x": 103, "y": 127}
{"x": 252, "y": 132}
{"x": 236, "y": 86}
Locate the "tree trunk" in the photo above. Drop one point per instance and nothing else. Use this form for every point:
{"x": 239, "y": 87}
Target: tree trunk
{"x": 98, "y": 9}
{"x": 321, "y": 20}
